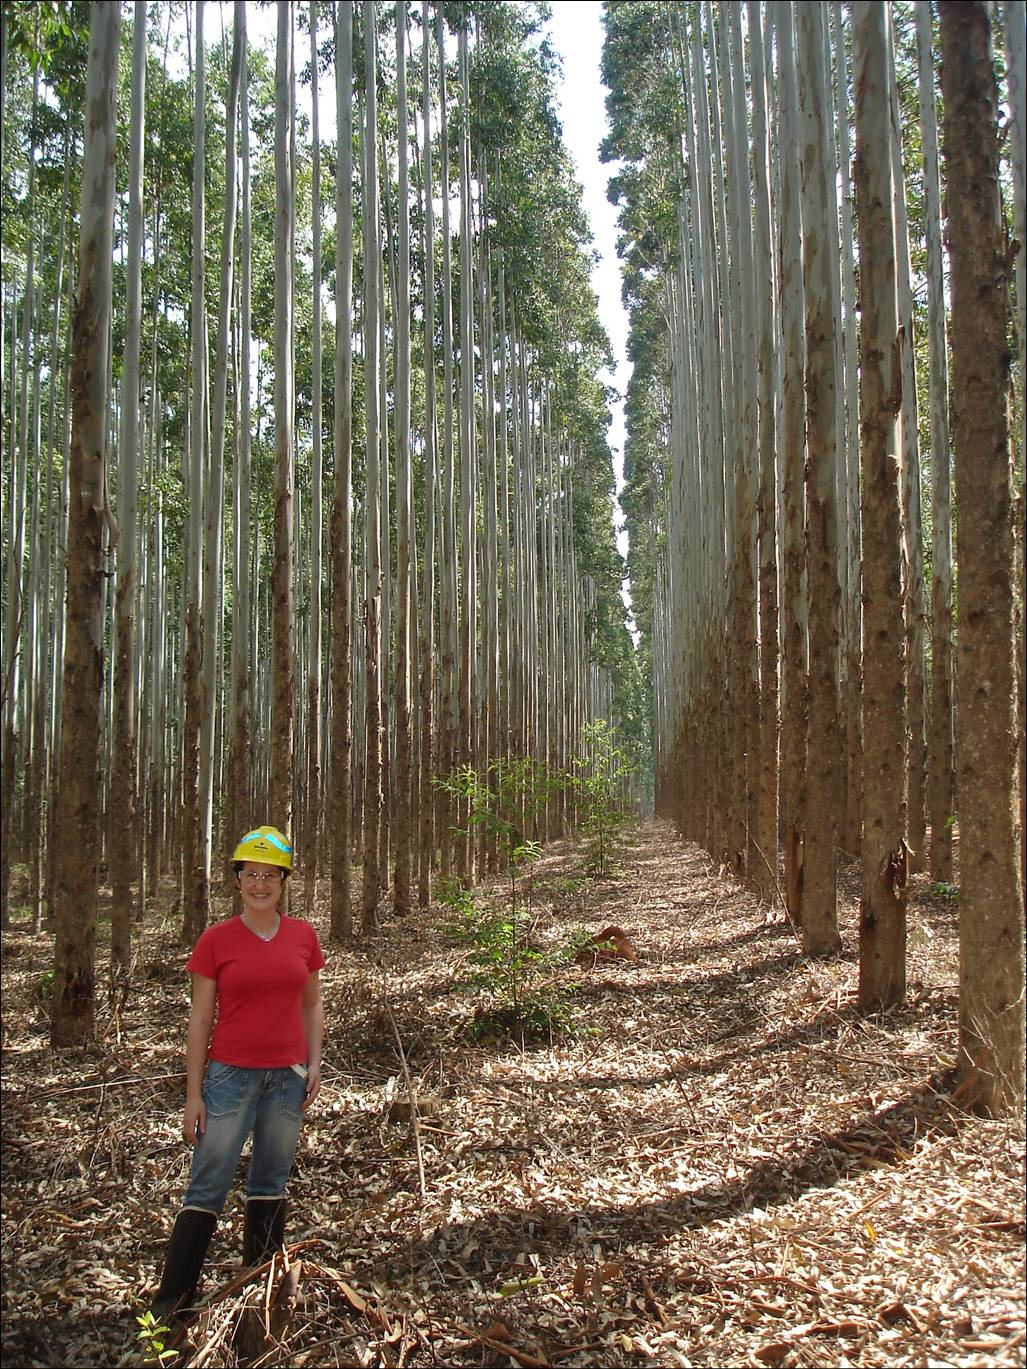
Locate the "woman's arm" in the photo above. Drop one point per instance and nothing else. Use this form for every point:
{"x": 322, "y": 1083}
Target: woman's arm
{"x": 314, "y": 1029}
{"x": 201, "y": 1019}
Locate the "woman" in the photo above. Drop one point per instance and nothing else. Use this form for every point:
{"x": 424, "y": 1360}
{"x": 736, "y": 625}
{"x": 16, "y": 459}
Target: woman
{"x": 255, "y": 981}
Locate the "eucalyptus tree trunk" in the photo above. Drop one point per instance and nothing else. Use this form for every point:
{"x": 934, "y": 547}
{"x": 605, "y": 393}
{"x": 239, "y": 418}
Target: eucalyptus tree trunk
{"x": 737, "y": 410}
{"x": 724, "y": 472}
{"x": 240, "y": 816}
{"x": 28, "y": 456}
{"x": 489, "y": 698}
{"x": 448, "y": 597}
{"x": 819, "y": 240}
{"x": 372, "y": 878}
{"x": 706, "y": 294}
{"x": 841, "y": 503}
{"x": 543, "y": 739}
{"x": 517, "y": 574}
{"x": 505, "y": 589}
{"x": 747, "y": 472}
{"x": 78, "y": 834}
{"x": 195, "y": 892}
{"x": 124, "y": 834}
{"x": 764, "y": 876}
{"x": 312, "y": 807}
{"x": 15, "y": 569}
{"x": 852, "y": 637}
{"x": 426, "y": 827}
{"x": 882, "y": 918}
{"x": 155, "y": 741}
{"x": 940, "y": 766}
{"x": 385, "y": 670}
{"x": 913, "y": 589}
{"x": 529, "y": 562}
{"x": 341, "y": 528}
{"x": 404, "y": 843}
{"x": 468, "y": 483}
{"x": 1016, "y": 78}
{"x": 30, "y": 672}
{"x": 213, "y": 568}
{"x": 45, "y": 782}
{"x": 280, "y": 798}
{"x": 991, "y": 927}
{"x": 794, "y": 704}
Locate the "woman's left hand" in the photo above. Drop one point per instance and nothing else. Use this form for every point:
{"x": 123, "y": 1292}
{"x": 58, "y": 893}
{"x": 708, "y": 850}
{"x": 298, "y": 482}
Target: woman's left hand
{"x": 313, "y": 1085}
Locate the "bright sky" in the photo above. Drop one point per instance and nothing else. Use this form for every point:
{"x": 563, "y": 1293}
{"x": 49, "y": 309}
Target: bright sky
{"x": 577, "y": 34}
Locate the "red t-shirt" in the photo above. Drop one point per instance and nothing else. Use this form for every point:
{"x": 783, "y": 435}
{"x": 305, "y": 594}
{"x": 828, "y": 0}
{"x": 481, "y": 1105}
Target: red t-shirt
{"x": 259, "y": 986}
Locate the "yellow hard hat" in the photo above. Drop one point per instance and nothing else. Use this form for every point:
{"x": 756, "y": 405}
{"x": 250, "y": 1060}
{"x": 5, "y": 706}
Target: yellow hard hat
{"x": 265, "y": 845}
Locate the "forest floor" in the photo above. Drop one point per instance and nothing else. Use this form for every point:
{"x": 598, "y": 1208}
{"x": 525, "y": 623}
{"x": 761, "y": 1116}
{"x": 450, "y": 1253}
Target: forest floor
{"x": 727, "y": 1165}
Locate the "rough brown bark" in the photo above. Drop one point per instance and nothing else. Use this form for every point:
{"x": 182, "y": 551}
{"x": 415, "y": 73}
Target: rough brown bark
{"x": 124, "y": 834}
{"x": 991, "y": 990}
{"x": 426, "y": 825}
{"x": 373, "y": 798}
{"x": 940, "y": 759}
{"x": 820, "y": 844}
{"x": 239, "y": 816}
{"x": 312, "y": 817}
{"x": 195, "y": 883}
{"x": 882, "y": 922}
{"x": 78, "y": 832}
{"x": 283, "y": 665}
{"x": 764, "y": 875}
{"x": 341, "y": 532}
{"x": 793, "y": 594}
{"x": 405, "y": 601}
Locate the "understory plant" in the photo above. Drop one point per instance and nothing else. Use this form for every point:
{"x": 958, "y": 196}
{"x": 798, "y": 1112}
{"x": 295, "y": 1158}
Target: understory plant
{"x": 602, "y": 770}
{"x": 503, "y": 799}
{"x": 154, "y": 1335}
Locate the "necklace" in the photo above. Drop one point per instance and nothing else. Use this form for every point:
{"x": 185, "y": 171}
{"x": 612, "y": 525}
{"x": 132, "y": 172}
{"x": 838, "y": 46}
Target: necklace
{"x": 269, "y": 934}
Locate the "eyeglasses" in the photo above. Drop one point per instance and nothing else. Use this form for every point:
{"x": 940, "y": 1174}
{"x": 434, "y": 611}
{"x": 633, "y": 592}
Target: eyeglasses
{"x": 261, "y": 876}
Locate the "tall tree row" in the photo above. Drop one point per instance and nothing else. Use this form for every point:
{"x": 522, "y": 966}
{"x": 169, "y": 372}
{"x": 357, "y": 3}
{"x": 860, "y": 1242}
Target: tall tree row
{"x": 789, "y": 454}
{"x": 409, "y": 364}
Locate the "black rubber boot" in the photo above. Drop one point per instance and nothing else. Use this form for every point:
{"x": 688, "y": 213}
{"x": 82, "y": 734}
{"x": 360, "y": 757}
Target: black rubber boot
{"x": 183, "y": 1261}
{"x": 264, "y": 1229}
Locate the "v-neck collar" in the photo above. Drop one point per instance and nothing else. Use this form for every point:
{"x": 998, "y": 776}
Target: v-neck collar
{"x": 265, "y": 939}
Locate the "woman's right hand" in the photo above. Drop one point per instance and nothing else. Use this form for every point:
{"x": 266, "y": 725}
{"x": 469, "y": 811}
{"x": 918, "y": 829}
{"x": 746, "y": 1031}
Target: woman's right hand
{"x": 194, "y": 1121}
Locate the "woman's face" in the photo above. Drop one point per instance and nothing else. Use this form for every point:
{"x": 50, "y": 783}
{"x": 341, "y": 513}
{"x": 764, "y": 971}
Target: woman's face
{"x": 260, "y": 886}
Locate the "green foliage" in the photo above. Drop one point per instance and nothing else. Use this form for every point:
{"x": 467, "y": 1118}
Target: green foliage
{"x": 501, "y": 798}
{"x": 41, "y": 31}
{"x": 153, "y": 1335}
{"x": 44, "y": 986}
{"x": 515, "y": 973}
{"x": 943, "y": 890}
{"x": 601, "y": 774}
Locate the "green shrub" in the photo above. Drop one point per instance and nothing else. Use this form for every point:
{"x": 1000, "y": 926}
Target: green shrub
{"x": 601, "y": 773}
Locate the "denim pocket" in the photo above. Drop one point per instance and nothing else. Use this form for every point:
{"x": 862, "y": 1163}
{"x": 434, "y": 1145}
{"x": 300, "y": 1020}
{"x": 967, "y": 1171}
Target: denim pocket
{"x": 223, "y": 1089}
{"x": 294, "y": 1090}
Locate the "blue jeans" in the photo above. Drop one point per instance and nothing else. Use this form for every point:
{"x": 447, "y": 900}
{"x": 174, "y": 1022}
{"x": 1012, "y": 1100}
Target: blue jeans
{"x": 240, "y": 1101}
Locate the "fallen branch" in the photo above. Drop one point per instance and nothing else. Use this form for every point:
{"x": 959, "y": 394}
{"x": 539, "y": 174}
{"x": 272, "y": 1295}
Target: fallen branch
{"x": 110, "y": 1084}
{"x": 502, "y": 1346}
{"x": 415, "y": 1126}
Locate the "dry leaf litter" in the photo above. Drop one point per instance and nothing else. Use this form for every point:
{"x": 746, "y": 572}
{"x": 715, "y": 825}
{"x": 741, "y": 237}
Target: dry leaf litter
{"x": 728, "y": 1165}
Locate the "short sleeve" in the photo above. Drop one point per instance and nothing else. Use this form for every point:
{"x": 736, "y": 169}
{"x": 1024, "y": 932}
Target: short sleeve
{"x": 317, "y": 959}
{"x": 202, "y": 959}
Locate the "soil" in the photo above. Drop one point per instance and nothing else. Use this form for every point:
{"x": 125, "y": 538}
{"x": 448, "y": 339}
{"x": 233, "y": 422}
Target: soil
{"x": 723, "y": 1164}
